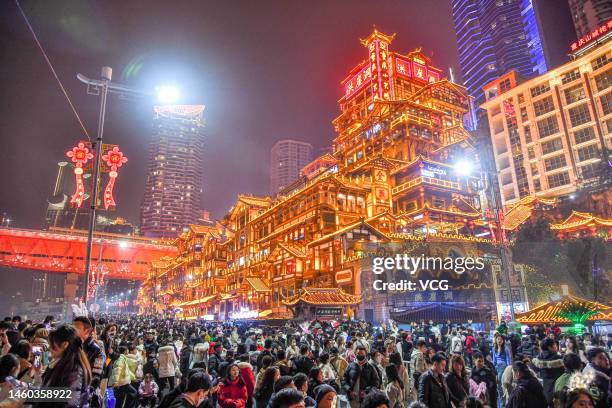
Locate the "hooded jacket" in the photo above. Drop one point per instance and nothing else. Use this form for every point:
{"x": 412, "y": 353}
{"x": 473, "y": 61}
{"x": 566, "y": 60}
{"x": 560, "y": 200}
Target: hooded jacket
{"x": 247, "y": 376}
{"x": 122, "y": 374}
{"x": 168, "y": 365}
{"x": 551, "y": 367}
{"x": 527, "y": 393}
{"x": 433, "y": 391}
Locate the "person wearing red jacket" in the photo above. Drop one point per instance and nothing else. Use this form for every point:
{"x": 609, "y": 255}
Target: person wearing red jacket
{"x": 233, "y": 391}
{"x": 247, "y": 376}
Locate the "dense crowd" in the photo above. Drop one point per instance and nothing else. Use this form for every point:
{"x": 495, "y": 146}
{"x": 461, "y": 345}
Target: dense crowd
{"x": 129, "y": 361}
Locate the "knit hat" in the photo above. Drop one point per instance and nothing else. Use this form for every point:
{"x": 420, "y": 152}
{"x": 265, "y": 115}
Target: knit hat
{"x": 321, "y": 390}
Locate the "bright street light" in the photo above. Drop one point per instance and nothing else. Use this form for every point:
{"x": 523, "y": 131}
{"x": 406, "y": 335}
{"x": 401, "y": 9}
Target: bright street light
{"x": 167, "y": 94}
{"x": 123, "y": 244}
{"x": 464, "y": 167}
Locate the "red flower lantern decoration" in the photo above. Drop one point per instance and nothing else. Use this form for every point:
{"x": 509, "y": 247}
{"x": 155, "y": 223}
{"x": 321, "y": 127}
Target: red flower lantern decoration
{"x": 114, "y": 159}
{"x": 80, "y": 155}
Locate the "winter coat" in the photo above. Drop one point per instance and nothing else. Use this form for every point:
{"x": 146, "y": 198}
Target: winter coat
{"x": 486, "y": 375}
{"x": 168, "y": 365}
{"x": 395, "y": 393}
{"x": 232, "y": 394}
{"x": 458, "y": 387}
{"x": 502, "y": 359}
{"x": 456, "y": 345}
{"x": 199, "y": 354}
{"x": 551, "y": 367}
{"x": 339, "y": 365}
{"x": 433, "y": 391}
{"x": 75, "y": 381}
{"x": 302, "y": 364}
{"x": 367, "y": 374}
{"x": 247, "y": 376}
{"x": 185, "y": 359}
{"x": 213, "y": 364}
{"x": 148, "y": 389}
{"x": 417, "y": 362}
{"x": 527, "y": 393}
{"x": 122, "y": 375}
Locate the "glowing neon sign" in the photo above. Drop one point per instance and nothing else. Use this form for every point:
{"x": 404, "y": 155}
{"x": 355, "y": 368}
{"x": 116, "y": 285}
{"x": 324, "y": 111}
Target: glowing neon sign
{"x": 114, "y": 159}
{"x": 592, "y": 37}
{"x": 357, "y": 81}
{"x": 80, "y": 155}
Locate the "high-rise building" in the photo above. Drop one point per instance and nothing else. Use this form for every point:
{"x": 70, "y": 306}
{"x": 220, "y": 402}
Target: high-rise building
{"x": 497, "y": 36}
{"x": 173, "y": 191}
{"x": 588, "y": 15}
{"x": 549, "y": 133}
{"x": 288, "y": 157}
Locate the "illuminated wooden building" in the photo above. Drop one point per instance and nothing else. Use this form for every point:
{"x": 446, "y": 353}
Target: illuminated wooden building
{"x": 391, "y": 178}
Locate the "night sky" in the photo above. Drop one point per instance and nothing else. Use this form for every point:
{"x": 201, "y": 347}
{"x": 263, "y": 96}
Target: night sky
{"x": 266, "y": 70}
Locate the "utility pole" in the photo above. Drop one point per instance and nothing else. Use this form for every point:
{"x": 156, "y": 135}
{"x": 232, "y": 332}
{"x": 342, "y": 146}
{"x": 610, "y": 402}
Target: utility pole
{"x": 101, "y": 87}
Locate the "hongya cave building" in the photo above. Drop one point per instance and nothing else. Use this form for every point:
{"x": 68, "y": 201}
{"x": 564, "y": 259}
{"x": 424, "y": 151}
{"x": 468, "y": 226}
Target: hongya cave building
{"x": 391, "y": 184}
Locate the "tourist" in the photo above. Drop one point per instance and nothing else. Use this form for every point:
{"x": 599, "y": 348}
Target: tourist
{"x": 287, "y": 398}
{"x": 578, "y": 398}
{"x": 550, "y": 366}
{"x": 197, "y": 389}
{"x": 147, "y": 392}
{"x": 481, "y": 373}
{"x": 418, "y": 360}
{"x": 457, "y": 381}
{"x": 432, "y": 387}
{"x": 599, "y": 368}
{"x": 232, "y": 390}
{"x": 502, "y": 358}
{"x": 69, "y": 367}
{"x": 528, "y": 391}
{"x": 121, "y": 379}
{"x": 395, "y": 387}
{"x": 300, "y": 380}
{"x": 168, "y": 365}
{"x": 264, "y": 390}
{"x": 325, "y": 397}
{"x": 360, "y": 377}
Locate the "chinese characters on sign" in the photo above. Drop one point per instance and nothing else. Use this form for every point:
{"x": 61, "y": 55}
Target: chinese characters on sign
{"x": 591, "y": 37}
{"x": 358, "y": 81}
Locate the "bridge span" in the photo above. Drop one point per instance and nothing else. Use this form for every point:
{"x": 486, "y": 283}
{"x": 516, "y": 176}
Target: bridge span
{"x": 63, "y": 251}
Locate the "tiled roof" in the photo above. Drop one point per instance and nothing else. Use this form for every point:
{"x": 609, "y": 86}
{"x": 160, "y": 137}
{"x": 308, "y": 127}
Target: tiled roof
{"x": 580, "y": 219}
{"x": 548, "y": 311}
{"x": 323, "y": 297}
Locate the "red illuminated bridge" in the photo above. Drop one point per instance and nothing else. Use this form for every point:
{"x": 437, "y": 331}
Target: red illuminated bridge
{"x": 63, "y": 250}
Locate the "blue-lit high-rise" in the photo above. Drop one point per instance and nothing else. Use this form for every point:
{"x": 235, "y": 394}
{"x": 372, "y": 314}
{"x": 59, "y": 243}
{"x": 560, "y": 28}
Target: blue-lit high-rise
{"x": 494, "y": 37}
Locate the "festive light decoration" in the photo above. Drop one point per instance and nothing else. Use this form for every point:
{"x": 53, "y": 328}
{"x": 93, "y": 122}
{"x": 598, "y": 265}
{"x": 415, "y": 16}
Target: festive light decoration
{"x": 80, "y": 155}
{"x": 114, "y": 159}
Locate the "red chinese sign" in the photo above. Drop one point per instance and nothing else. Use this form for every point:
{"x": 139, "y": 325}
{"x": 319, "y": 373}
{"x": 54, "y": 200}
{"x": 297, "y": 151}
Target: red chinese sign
{"x": 591, "y": 37}
{"x": 114, "y": 159}
{"x": 358, "y": 81}
{"x": 414, "y": 69}
{"x": 80, "y": 155}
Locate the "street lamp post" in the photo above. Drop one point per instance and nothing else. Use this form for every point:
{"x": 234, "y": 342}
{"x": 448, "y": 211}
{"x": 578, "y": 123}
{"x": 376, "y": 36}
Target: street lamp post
{"x": 101, "y": 87}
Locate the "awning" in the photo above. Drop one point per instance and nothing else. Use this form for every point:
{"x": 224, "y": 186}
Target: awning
{"x": 323, "y": 297}
{"x": 258, "y": 285}
{"x": 199, "y": 301}
{"x": 441, "y": 312}
{"x": 227, "y": 296}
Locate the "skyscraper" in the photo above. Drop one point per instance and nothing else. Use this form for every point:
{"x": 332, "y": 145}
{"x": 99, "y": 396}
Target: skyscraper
{"x": 287, "y": 159}
{"x": 497, "y": 36}
{"x": 589, "y": 14}
{"x": 173, "y": 191}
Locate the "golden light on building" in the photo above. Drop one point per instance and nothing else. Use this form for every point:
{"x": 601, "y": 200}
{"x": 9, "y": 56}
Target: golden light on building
{"x": 389, "y": 180}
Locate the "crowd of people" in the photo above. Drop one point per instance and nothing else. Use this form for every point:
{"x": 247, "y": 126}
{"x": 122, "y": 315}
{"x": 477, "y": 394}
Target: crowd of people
{"x": 135, "y": 361}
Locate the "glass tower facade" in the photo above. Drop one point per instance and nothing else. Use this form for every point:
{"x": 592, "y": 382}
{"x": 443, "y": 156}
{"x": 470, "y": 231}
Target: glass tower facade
{"x": 494, "y": 37}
